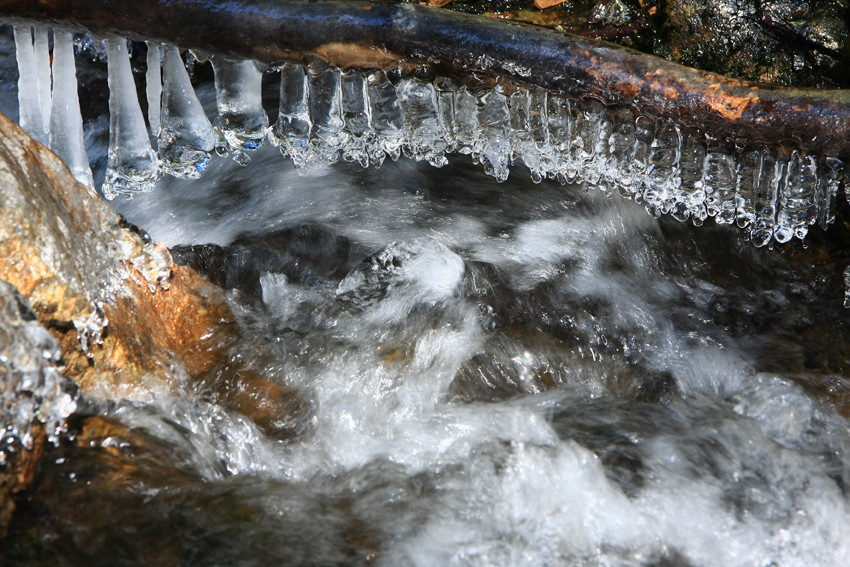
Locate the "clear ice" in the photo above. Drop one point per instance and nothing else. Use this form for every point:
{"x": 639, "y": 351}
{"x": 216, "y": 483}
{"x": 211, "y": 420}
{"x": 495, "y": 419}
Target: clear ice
{"x": 186, "y": 135}
{"x": 242, "y": 121}
{"x": 363, "y": 115}
{"x": 66, "y": 122}
{"x": 131, "y": 164}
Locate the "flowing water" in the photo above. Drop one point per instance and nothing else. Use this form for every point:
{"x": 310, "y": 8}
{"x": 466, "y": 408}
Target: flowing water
{"x": 488, "y": 374}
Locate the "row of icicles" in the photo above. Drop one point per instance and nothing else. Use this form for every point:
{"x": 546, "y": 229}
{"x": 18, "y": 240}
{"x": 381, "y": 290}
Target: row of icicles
{"x": 327, "y": 114}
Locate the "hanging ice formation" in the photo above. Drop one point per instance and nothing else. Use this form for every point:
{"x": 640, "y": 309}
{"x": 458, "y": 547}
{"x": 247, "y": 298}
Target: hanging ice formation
{"x": 366, "y": 115}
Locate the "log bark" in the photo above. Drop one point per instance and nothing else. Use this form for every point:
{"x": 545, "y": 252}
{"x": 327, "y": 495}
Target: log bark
{"x": 378, "y": 34}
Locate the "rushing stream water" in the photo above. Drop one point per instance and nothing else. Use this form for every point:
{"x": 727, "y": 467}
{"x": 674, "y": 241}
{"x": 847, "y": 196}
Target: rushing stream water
{"x": 489, "y": 375}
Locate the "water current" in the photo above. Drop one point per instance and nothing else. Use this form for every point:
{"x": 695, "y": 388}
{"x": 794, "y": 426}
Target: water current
{"x": 488, "y": 374}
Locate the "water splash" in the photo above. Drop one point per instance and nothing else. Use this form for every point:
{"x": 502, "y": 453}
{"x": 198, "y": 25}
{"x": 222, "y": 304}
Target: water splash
{"x": 32, "y": 386}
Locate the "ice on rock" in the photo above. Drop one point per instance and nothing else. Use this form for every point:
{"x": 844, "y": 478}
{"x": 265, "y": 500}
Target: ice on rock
{"x": 424, "y": 137}
{"x": 242, "y": 121}
{"x": 291, "y": 132}
{"x": 31, "y": 385}
{"x": 326, "y": 114}
{"x": 186, "y": 136}
{"x": 66, "y": 122}
{"x": 29, "y": 92}
{"x": 153, "y": 85}
{"x": 131, "y": 164}
{"x": 387, "y": 117}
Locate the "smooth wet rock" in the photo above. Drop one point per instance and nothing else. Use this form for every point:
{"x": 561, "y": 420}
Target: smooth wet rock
{"x": 113, "y": 299}
{"x": 127, "y": 320}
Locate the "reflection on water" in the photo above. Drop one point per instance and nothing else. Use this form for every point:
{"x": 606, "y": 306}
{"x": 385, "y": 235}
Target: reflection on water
{"x": 492, "y": 375}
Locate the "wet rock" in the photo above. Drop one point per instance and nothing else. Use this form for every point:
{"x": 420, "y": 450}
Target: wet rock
{"x": 124, "y": 316}
{"x": 113, "y": 299}
{"x": 35, "y": 397}
{"x": 782, "y": 42}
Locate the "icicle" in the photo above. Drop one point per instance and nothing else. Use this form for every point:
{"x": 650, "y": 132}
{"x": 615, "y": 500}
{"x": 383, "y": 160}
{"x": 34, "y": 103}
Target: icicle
{"x": 522, "y": 146}
{"x": 847, "y": 287}
{"x": 186, "y": 137}
{"x": 720, "y": 181}
{"x": 644, "y": 135}
{"x": 661, "y": 192}
{"x": 42, "y": 67}
{"x": 560, "y": 123}
{"x": 830, "y": 180}
{"x": 355, "y": 112}
{"x": 242, "y": 121}
{"x": 494, "y": 121}
{"x": 769, "y": 175}
{"x": 153, "y": 85}
{"x": 387, "y": 118}
{"x": 466, "y": 122}
{"x": 691, "y": 164}
{"x": 325, "y": 104}
{"x": 797, "y": 198}
{"x": 66, "y": 122}
{"x": 28, "y": 93}
{"x": 291, "y": 132}
{"x": 131, "y": 164}
{"x": 445, "y": 89}
{"x": 748, "y": 173}
{"x": 424, "y": 137}
{"x": 585, "y": 135}
{"x": 621, "y": 144}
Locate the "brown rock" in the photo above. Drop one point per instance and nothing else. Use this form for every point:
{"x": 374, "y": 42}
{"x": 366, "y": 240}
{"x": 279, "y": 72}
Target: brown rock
{"x": 125, "y": 316}
{"x": 77, "y": 263}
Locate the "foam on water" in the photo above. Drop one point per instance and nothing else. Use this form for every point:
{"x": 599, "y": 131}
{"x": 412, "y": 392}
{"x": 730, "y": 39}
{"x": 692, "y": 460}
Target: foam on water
{"x": 451, "y": 294}
{"x": 531, "y": 374}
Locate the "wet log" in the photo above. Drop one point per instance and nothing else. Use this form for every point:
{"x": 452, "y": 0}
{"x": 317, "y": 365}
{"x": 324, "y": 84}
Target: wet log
{"x": 375, "y": 34}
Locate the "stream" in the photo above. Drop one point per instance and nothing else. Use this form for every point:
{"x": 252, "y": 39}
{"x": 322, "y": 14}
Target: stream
{"x": 488, "y": 374}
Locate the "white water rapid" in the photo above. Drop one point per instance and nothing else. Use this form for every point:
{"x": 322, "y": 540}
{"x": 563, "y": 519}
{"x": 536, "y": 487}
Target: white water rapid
{"x": 493, "y": 374}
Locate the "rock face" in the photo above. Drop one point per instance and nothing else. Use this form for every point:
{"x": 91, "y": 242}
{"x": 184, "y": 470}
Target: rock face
{"x": 781, "y": 42}
{"x": 118, "y": 306}
{"x": 125, "y": 317}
